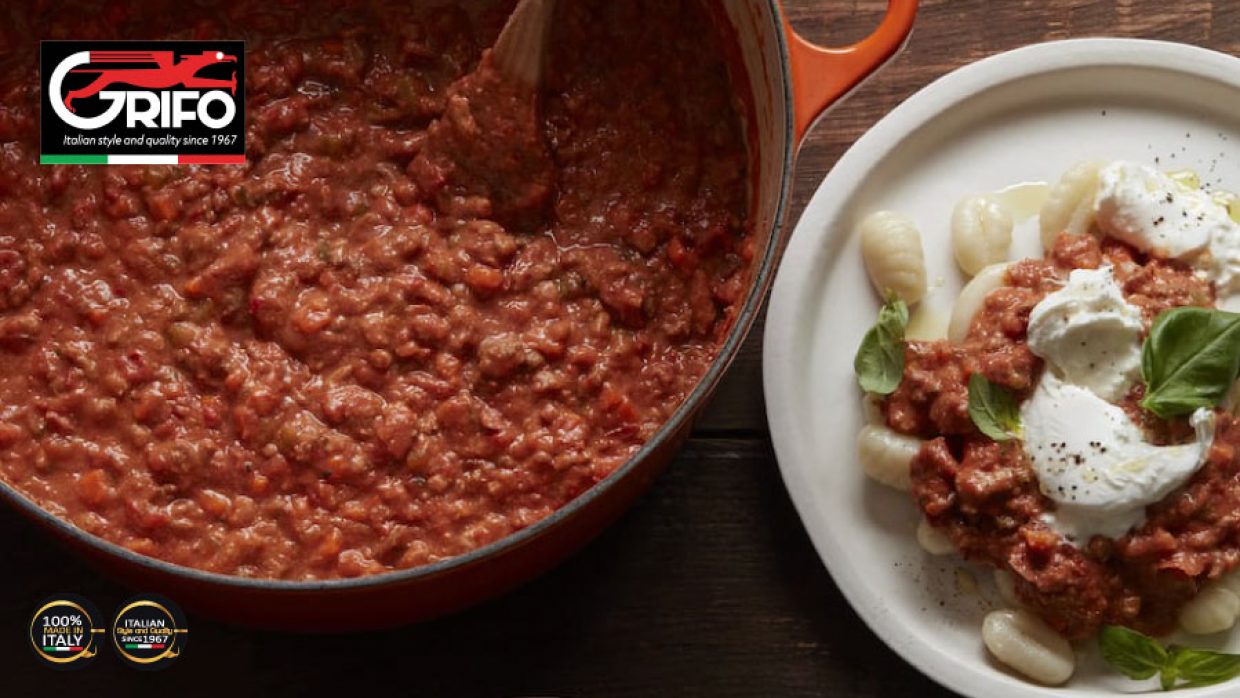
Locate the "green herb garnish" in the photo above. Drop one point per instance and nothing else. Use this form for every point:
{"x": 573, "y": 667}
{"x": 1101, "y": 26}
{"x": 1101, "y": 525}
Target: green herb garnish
{"x": 1135, "y": 655}
{"x": 1140, "y": 657}
{"x": 993, "y": 409}
{"x": 1200, "y": 667}
{"x": 1189, "y": 360}
{"x": 880, "y": 358}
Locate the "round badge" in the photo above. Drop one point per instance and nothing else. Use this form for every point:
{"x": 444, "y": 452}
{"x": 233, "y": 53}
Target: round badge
{"x": 149, "y": 632}
{"x": 64, "y": 632}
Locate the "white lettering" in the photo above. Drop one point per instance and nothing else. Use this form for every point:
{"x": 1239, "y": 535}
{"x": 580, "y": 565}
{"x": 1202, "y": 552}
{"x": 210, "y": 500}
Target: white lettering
{"x": 230, "y": 109}
{"x": 179, "y": 113}
{"x": 165, "y": 109}
{"x": 62, "y": 110}
{"x": 135, "y": 113}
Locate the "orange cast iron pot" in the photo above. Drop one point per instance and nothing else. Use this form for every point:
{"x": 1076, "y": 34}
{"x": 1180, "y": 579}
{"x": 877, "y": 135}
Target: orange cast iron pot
{"x": 788, "y": 83}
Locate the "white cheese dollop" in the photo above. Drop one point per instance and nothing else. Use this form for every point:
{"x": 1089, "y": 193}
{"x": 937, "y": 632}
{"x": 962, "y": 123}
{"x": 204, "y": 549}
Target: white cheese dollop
{"x": 1088, "y": 334}
{"x": 1222, "y": 261}
{"x": 1152, "y": 212}
{"x": 1156, "y": 214}
{"x": 1090, "y": 458}
{"x": 1095, "y": 464}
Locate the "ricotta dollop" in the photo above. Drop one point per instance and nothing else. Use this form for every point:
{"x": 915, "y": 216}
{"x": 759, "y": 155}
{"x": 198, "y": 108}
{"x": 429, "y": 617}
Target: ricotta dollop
{"x": 1091, "y": 459}
{"x": 1095, "y": 464}
{"x": 1158, "y": 215}
{"x": 1088, "y": 334}
{"x": 1154, "y": 213}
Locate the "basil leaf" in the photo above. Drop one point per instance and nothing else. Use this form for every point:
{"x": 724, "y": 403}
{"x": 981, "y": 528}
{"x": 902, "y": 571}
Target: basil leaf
{"x": 1203, "y": 667}
{"x": 1135, "y": 655}
{"x": 1167, "y": 678}
{"x": 993, "y": 409}
{"x": 1189, "y": 360}
{"x": 1140, "y": 657}
{"x": 879, "y": 362}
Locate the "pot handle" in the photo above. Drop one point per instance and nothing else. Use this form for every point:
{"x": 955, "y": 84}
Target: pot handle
{"x": 822, "y": 75}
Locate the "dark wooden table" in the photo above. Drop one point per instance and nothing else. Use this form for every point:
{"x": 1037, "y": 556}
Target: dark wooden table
{"x": 709, "y": 586}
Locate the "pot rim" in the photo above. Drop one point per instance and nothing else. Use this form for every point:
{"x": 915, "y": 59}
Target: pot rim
{"x": 679, "y": 419}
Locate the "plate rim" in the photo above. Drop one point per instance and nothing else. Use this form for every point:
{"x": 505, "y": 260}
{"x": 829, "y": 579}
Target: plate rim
{"x": 791, "y": 286}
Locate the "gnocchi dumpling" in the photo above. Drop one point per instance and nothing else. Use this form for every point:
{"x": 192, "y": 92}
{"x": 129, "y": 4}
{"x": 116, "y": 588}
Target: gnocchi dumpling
{"x": 933, "y": 540}
{"x": 971, "y": 298}
{"x": 1070, "y": 203}
{"x": 981, "y": 232}
{"x": 1213, "y": 610}
{"x": 1005, "y": 584}
{"x": 872, "y": 409}
{"x": 891, "y": 248}
{"x": 926, "y": 324}
{"x": 886, "y": 455}
{"x": 1231, "y": 581}
{"x": 1023, "y": 642}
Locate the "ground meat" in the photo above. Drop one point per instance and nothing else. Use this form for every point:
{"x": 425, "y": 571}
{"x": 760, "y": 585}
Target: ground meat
{"x": 985, "y": 495}
{"x": 431, "y": 309}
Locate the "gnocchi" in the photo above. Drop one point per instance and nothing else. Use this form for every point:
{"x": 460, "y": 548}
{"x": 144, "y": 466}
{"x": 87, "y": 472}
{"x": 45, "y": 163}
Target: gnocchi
{"x": 1024, "y": 608}
{"x": 891, "y": 249}
{"x": 872, "y": 409}
{"x": 886, "y": 455}
{"x": 981, "y": 232}
{"x": 1023, "y": 642}
{"x": 1231, "y": 581}
{"x": 933, "y": 540}
{"x": 927, "y": 325}
{"x": 971, "y": 298}
{"x": 1213, "y": 610}
{"x": 1005, "y": 584}
{"x": 1070, "y": 204}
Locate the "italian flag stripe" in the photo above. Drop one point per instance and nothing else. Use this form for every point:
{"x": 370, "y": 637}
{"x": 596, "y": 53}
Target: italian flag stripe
{"x": 73, "y": 159}
{"x": 62, "y": 649}
{"x": 211, "y": 159}
{"x": 141, "y": 159}
{"x": 142, "y": 646}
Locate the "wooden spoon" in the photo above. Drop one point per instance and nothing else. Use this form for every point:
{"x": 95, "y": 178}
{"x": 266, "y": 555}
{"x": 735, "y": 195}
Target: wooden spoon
{"x": 519, "y": 50}
{"x": 486, "y": 155}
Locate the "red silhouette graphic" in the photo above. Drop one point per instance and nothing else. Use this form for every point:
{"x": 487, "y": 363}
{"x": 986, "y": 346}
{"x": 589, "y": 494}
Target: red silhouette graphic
{"x": 168, "y": 74}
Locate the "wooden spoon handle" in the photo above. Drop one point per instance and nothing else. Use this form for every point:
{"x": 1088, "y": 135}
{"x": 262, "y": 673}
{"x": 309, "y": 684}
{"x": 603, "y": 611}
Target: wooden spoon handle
{"x": 518, "y": 53}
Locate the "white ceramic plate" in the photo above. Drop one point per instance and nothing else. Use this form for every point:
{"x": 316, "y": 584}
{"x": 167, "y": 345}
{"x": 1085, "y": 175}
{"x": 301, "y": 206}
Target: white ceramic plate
{"x": 1022, "y": 116}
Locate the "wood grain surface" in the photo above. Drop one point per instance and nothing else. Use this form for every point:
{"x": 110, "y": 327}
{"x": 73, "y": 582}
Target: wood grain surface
{"x": 709, "y": 587}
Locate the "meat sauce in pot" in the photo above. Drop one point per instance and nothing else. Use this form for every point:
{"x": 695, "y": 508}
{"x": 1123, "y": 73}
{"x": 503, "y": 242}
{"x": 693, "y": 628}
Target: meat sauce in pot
{"x": 375, "y": 345}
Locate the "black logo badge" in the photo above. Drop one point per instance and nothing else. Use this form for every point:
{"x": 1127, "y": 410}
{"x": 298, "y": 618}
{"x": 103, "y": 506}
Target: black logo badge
{"x": 149, "y": 632}
{"x": 64, "y": 632}
{"x": 142, "y": 102}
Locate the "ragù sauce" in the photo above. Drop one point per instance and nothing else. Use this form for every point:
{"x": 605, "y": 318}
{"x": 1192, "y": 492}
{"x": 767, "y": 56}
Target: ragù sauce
{"x": 985, "y": 495}
{"x": 429, "y": 311}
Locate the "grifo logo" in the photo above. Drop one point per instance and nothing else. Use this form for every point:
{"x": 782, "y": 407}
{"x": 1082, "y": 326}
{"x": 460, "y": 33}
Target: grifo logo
{"x": 143, "y": 102}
